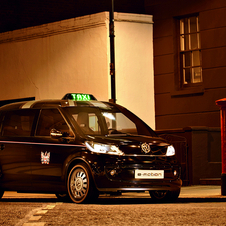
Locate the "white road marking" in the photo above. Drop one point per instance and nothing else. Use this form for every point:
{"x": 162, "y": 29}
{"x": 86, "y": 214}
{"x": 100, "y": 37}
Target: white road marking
{"x": 41, "y": 212}
{"x": 35, "y": 218}
{"x": 28, "y": 216}
{"x": 36, "y": 215}
{"x": 34, "y": 224}
{"x": 49, "y": 207}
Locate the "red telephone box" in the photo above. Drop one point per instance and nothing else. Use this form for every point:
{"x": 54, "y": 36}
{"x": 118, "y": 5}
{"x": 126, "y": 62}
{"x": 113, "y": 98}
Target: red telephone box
{"x": 222, "y": 104}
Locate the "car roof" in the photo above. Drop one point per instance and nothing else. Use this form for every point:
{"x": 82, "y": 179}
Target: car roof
{"x": 37, "y": 104}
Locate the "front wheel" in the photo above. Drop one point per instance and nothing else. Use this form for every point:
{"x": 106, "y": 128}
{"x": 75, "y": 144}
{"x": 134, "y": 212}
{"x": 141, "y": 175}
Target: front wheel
{"x": 80, "y": 184}
{"x": 164, "y": 196}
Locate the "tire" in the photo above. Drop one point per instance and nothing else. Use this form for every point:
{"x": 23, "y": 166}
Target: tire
{"x": 80, "y": 185}
{"x": 164, "y": 196}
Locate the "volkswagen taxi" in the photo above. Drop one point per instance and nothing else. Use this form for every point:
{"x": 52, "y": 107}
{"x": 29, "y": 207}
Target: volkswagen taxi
{"x": 79, "y": 147}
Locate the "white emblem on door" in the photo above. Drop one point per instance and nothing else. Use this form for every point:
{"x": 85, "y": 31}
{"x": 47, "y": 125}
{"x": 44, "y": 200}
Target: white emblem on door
{"x": 45, "y": 157}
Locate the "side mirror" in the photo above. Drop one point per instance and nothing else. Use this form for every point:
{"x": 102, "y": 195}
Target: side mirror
{"x": 55, "y": 134}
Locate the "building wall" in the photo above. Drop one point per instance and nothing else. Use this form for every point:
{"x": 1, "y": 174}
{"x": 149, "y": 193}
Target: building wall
{"x": 50, "y": 60}
{"x": 26, "y": 13}
{"x": 134, "y": 65}
{"x": 195, "y": 107}
{"x": 198, "y": 150}
{"x": 73, "y": 55}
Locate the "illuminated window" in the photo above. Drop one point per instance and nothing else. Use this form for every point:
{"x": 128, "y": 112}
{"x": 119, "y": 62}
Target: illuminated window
{"x": 190, "y": 51}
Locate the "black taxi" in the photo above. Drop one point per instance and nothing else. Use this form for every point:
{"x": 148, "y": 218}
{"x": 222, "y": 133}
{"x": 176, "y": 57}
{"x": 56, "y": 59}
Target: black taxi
{"x": 79, "y": 147}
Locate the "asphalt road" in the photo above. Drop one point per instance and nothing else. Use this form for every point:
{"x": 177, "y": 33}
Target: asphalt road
{"x": 194, "y": 207}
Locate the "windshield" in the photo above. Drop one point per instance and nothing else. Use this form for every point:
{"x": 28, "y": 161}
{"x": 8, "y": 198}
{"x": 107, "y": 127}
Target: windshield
{"x": 111, "y": 122}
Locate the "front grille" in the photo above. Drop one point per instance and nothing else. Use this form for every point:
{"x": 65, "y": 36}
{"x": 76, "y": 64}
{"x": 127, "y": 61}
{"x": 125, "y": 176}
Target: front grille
{"x": 137, "y": 150}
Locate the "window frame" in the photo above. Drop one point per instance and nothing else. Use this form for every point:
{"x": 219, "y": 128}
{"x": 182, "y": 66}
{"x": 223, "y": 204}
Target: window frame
{"x": 182, "y": 51}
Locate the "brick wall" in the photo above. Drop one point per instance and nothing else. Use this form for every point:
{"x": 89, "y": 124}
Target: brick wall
{"x": 196, "y": 108}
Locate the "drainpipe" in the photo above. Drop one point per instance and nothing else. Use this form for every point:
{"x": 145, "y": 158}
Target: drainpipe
{"x": 112, "y": 52}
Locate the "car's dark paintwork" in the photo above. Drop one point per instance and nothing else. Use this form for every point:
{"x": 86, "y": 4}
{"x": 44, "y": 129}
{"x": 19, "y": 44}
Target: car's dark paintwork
{"x": 20, "y": 156}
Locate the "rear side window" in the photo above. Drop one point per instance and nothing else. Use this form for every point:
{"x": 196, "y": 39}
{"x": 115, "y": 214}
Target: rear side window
{"x": 51, "y": 119}
{"x": 18, "y": 123}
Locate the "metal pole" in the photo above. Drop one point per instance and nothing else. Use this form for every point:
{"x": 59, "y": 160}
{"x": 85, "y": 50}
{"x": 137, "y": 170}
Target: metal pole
{"x": 112, "y": 52}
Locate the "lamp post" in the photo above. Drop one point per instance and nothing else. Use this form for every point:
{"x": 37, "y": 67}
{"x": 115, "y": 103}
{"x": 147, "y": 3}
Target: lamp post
{"x": 112, "y": 52}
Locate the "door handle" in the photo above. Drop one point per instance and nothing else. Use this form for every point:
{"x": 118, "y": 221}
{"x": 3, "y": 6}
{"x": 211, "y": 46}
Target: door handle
{"x": 2, "y": 146}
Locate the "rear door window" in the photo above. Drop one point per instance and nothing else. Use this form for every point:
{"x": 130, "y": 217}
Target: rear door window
{"x": 18, "y": 123}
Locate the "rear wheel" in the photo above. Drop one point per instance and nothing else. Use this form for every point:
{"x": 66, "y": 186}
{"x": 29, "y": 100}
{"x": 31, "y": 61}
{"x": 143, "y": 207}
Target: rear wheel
{"x": 1, "y": 193}
{"x": 164, "y": 196}
{"x": 80, "y": 184}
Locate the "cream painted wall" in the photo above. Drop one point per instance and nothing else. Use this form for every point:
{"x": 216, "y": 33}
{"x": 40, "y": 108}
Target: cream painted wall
{"x": 73, "y": 55}
{"x": 49, "y": 61}
{"x": 134, "y": 65}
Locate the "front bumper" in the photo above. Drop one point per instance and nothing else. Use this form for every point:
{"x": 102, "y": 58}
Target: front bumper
{"x": 118, "y": 174}
{"x": 152, "y": 186}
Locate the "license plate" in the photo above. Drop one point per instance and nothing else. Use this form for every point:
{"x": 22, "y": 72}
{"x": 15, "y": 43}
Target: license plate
{"x": 149, "y": 174}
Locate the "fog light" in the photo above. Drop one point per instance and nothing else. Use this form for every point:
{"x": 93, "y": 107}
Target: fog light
{"x": 175, "y": 173}
{"x": 113, "y": 172}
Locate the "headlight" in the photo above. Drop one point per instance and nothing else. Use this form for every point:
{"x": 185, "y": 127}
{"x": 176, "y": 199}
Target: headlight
{"x": 103, "y": 148}
{"x": 170, "y": 151}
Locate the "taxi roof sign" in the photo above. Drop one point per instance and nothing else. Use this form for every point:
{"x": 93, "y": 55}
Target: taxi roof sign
{"x": 79, "y": 97}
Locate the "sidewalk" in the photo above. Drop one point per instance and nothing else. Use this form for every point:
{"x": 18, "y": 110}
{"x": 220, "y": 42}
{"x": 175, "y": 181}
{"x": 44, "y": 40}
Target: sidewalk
{"x": 197, "y": 191}
{"x": 201, "y": 191}
{"x": 189, "y": 192}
